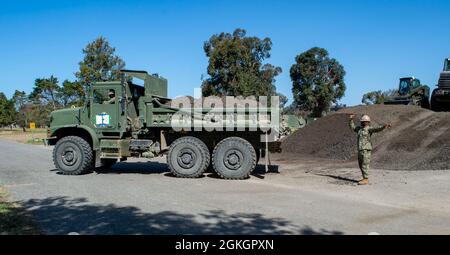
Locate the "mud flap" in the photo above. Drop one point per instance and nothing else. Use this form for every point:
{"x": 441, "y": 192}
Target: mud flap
{"x": 98, "y": 162}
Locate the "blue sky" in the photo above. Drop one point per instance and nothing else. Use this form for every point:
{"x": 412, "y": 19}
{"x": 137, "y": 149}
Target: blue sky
{"x": 376, "y": 41}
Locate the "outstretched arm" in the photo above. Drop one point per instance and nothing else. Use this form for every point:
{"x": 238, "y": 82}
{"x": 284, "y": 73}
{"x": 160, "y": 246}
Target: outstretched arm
{"x": 352, "y": 123}
{"x": 379, "y": 129}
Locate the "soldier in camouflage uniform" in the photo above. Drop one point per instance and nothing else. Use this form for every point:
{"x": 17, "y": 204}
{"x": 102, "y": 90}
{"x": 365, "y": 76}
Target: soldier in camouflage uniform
{"x": 112, "y": 97}
{"x": 365, "y": 144}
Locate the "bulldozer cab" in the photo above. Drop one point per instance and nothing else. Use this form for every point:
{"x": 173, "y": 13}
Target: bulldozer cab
{"x": 447, "y": 65}
{"x": 407, "y": 84}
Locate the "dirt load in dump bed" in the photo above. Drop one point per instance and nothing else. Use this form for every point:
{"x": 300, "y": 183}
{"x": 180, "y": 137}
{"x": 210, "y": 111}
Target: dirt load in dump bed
{"x": 418, "y": 140}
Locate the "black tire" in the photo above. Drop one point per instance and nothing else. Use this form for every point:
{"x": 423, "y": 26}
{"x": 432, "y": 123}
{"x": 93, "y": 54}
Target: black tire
{"x": 108, "y": 163}
{"x": 425, "y": 103}
{"x": 434, "y": 105}
{"x": 73, "y": 155}
{"x": 188, "y": 157}
{"x": 234, "y": 158}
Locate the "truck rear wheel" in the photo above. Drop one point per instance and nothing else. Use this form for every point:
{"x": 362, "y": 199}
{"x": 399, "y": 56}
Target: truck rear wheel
{"x": 188, "y": 157}
{"x": 73, "y": 155}
{"x": 234, "y": 158}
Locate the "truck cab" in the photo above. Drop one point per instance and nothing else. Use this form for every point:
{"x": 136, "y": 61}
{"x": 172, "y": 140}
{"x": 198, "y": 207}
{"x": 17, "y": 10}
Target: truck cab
{"x": 111, "y": 122}
{"x": 105, "y": 107}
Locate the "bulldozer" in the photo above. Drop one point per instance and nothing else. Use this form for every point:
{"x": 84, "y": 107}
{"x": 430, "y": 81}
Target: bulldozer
{"x": 440, "y": 98}
{"x": 410, "y": 92}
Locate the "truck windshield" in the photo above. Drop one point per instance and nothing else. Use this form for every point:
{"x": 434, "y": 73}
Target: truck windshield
{"x": 447, "y": 65}
{"x": 404, "y": 87}
{"x": 104, "y": 96}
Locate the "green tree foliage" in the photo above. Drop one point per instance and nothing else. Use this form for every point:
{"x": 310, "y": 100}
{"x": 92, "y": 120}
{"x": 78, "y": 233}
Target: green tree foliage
{"x": 21, "y": 104}
{"x": 290, "y": 109}
{"x": 7, "y": 111}
{"x": 47, "y": 96}
{"x": 71, "y": 93}
{"x": 236, "y": 66}
{"x": 318, "y": 81}
{"x": 99, "y": 63}
{"x": 46, "y": 91}
{"x": 373, "y": 97}
{"x": 20, "y": 99}
{"x": 44, "y": 98}
{"x": 283, "y": 100}
{"x": 38, "y": 114}
{"x": 377, "y": 97}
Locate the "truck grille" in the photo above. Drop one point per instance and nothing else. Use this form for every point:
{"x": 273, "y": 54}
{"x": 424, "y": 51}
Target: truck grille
{"x": 444, "y": 80}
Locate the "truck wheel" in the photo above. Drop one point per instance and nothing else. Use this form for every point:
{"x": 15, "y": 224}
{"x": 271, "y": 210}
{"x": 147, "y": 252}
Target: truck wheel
{"x": 72, "y": 155}
{"x": 434, "y": 105}
{"x": 425, "y": 103}
{"x": 188, "y": 157}
{"x": 234, "y": 158}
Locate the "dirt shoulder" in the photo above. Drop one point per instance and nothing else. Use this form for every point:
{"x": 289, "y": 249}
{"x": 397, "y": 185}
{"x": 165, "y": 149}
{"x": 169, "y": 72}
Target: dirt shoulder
{"x": 30, "y": 136}
{"x": 13, "y": 218}
{"x": 425, "y": 190}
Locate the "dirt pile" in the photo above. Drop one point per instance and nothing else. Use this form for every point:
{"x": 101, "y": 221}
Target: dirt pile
{"x": 419, "y": 138}
{"x": 328, "y": 137}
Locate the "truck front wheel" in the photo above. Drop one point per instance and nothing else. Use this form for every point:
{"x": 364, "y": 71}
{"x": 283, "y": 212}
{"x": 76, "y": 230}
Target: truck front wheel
{"x": 188, "y": 157}
{"x": 73, "y": 155}
{"x": 234, "y": 158}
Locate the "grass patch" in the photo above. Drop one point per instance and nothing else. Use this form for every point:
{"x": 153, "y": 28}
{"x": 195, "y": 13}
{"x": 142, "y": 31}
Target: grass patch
{"x": 36, "y": 141}
{"x": 13, "y": 218}
{"x": 29, "y": 137}
{"x": 19, "y": 130}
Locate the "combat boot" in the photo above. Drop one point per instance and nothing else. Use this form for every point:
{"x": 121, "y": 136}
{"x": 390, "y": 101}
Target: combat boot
{"x": 363, "y": 182}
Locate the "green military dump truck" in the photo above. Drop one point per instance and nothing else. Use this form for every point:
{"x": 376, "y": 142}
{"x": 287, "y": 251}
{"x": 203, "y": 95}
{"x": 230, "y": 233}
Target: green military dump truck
{"x": 410, "y": 92}
{"x": 121, "y": 119}
{"x": 440, "y": 98}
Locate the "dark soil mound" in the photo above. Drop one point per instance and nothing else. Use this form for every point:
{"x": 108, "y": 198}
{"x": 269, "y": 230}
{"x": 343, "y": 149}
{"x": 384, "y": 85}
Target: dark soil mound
{"x": 419, "y": 139}
{"x": 328, "y": 137}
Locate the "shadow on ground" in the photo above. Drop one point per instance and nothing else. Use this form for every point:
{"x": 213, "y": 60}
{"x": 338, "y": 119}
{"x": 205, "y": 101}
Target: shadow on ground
{"x": 160, "y": 168}
{"x": 136, "y": 168}
{"x": 340, "y": 179}
{"x": 62, "y": 215}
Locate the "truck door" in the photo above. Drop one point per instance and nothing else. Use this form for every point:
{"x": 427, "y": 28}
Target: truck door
{"x": 105, "y": 108}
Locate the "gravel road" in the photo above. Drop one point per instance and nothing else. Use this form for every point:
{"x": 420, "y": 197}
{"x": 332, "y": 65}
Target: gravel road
{"x": 142, "y": 198}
